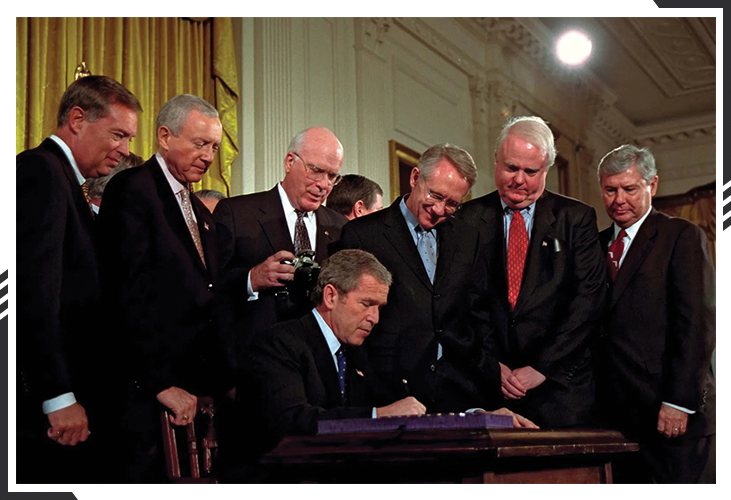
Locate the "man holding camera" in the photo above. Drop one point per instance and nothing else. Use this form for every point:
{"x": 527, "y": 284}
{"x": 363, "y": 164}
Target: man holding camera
{"x": 261, "y": 234}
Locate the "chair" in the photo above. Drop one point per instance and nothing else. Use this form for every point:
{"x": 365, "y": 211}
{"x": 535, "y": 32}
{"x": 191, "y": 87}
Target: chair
{"x": 200, "y": 453}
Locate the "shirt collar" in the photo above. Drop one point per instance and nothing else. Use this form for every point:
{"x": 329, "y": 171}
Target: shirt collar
{"x": 411, "y": 220}
{"x": 286, "y": 204}
{"x": 527, "y": 210}
{"x": 67, "y": 151}
{"x": 632, "y": 230}
{"x": 175, "y": 185}
{"x": 332, "y": 341}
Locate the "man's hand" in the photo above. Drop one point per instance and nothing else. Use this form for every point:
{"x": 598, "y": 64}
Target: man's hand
{"x": 69, "y": 425}
{"x": 183, "y": 405}
{"x": 511, "y": 386}
{"x": 272, "y": 272}
{"x": 404, "y": 407}
{"x": 671, "y": 423}
{"x": 518, "y": 421}
{"x": 529, "y": 377}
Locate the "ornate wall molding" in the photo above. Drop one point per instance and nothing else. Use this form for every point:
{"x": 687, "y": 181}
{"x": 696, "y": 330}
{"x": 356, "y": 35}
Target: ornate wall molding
{"x": 372, "y": 32}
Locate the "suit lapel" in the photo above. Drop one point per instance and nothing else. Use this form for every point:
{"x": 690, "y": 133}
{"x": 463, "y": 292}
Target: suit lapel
{"x": 541, "y": 243}
{"x": 274, "y": 223}
{"x": 78, "y": 195}
{"x": 324, "y": 238}
{"x": 447, "y": 245}
{"x": 207, "y": 234}
{"x": 492, "y": 218}
{"x": 173, "y": 214}
{"x": 638, "y": 250}
{"x": 323, "y": 359}
{"x": 398, "y": 235}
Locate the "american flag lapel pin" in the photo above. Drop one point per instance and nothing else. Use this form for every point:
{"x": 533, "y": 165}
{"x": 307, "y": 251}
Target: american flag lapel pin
{"x": 360, "y": 373}
{"x": 544, "y": 244}
{"x": 205, "y": 225}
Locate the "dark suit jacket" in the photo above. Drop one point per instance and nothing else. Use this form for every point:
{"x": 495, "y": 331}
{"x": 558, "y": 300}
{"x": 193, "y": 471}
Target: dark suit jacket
{"x": 163, "y": 298}
{"x": 58, "y": 284}
{"x": 250, "y": 229}
{"x": 290, "y": 383}
{"x": 661, "y": 329}
{"x": 559, "y": 307}
{"x": 420, "y": 315}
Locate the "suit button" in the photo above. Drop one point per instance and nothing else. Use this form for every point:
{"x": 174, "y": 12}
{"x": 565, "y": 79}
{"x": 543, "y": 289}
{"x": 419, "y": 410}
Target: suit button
{"x": 438, "y": 332}
{"x": 437, "y": 296}
{"x": 433, "y": 368}
{"x": 210, "y": 287}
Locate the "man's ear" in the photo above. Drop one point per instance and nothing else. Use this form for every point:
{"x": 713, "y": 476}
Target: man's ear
{"x": 329, "y": 296}
{"x": 163, "y": 136}
{"x": 359, "y": 208}
{"x": 414, "y": 177}
{"x": 77, "y": 119}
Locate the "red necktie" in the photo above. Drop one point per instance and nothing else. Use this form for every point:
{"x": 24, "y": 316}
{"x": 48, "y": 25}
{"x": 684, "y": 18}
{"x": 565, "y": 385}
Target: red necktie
{"x": 616, "y": 249}
{"x": 517, "y": 250}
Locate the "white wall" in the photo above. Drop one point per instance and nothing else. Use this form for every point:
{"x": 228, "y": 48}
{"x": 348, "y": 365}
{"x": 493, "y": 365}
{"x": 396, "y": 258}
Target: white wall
{"x": 424, "y": 81}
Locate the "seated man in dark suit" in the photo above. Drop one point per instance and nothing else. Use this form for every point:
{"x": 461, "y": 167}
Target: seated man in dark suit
{"x": 59, "y": 358}
{"x": 300, "y": 372}
{"x": 160, "y": 274}
{"x": 258, "y": 232}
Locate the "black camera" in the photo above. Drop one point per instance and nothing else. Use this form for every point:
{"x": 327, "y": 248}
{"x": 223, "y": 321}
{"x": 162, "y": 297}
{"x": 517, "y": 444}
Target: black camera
{"x": 306, "y": 271}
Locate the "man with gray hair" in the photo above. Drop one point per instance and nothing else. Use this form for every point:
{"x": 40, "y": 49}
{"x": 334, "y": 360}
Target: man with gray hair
{"x": 655, "y": 382}
{"x": 260, "y": 234}
{"x": 546, "y": 277}
{"x": 160, "y": 273}
{"x": 427, "y": 342}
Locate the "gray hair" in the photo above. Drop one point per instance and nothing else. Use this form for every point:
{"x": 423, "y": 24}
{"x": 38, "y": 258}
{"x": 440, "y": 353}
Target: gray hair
{"x": 174, "y": 112}
{"x": 95, "y": 95}
{"x": 622, "y": 158}
{"x": 460, "y": 159}
{"x": 296, "y": 143}
{"x": 210, "y": 193}
{"x": 532, "y": 129}
{"x": 349, "y": 190}
{"x": 344, "y": 269}
{"x": 98, "y": 184}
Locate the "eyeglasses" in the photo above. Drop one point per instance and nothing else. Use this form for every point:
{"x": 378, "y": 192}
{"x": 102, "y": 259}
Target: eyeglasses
{"x": 450, "y": 206}
{"x": 316, "y": 173}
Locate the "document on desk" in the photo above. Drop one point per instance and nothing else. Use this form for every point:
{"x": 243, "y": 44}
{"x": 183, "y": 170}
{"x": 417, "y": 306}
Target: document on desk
{"x": 433, "y": 421}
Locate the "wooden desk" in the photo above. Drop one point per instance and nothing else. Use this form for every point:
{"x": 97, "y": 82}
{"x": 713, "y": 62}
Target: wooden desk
{"x": 451, "y": 456}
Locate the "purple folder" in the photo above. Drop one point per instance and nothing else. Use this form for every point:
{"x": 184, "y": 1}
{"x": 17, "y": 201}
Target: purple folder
{"x": 437, "y": 421}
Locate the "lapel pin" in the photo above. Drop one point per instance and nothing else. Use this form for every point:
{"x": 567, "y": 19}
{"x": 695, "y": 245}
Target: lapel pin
{"x": 359, "y": 372}
{"x": 327, "y": 233}
{"x": 544, "y": 244}
{"x": 205, "y": 225}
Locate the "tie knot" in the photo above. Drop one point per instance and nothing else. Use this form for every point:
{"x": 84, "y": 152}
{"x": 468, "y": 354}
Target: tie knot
{"x": 517, "y": 214}
{"x": 300, "y": 214}
{"x": 622, "y": 234}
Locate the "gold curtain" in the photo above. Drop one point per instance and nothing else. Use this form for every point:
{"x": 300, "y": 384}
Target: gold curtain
{"x": 698, "y": 206}
{"x": 155, "y": 58}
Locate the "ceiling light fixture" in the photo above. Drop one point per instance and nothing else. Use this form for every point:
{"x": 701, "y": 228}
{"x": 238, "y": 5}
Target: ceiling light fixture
{"x": 573, "y": 48}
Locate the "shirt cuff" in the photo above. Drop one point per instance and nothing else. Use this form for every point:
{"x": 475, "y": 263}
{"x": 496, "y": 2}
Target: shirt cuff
{"x": 252, "y": 294}
{"x": 374, "y": 413}
{"x": 58, "y": 403}
{"x": 684, "y": 410}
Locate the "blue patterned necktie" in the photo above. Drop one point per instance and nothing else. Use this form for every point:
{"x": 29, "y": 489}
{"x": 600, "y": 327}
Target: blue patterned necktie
{"x": 427, "y": 246}
{"x": 340, "y": 354}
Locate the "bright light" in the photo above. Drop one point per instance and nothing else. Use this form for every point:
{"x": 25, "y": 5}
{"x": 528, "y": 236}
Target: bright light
{"x": 573, "y": 48}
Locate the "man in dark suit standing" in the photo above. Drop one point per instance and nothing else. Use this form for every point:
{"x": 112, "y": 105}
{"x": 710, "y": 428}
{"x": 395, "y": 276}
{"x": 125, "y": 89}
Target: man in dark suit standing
{"x": 427, "y": 341}
{"x": 58, "y": 281}
{"x": 547, "y": 280}
{"x": 159, "y": 249}
{"x": 257, "y": 232}
{"x": 656, "y": 384}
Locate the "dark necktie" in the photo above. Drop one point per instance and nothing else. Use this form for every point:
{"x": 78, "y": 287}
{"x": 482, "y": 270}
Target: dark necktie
{"x": 517, "y": 250}
{"x": 301, "y": 237}
{"x": 340, "y": 354}
{"x": 616, "y": 249}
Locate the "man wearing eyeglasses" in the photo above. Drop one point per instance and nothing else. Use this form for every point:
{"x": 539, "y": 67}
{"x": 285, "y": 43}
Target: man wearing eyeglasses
{"x": 547, "y": 279}
{"x": 260, "y": 233}
{"x": 428, "y": 342}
